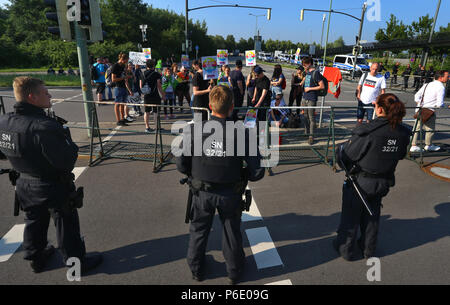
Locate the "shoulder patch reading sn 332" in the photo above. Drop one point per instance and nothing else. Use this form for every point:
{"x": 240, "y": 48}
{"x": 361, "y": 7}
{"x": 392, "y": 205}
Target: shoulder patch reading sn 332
{"x": 9, "y": 143}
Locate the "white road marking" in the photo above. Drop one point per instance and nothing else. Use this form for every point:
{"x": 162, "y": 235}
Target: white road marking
{"x": 284, "y": 282}
{"x": 253, "y": 214}
{"x": 11, "y": 242}
{"x": 77, "y": 171}
{"x": 112, "y": 134}
{"x": 66, "y": 99}
{"x": 263, "y": 248}
{"x": 14, "y": 238}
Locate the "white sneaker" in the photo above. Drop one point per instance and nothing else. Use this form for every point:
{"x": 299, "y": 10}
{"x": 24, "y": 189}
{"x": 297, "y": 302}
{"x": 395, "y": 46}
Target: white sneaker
{"x": 415, "y": 149}
{"x": 129, "y": 119}
{"x": 432, "y": 147}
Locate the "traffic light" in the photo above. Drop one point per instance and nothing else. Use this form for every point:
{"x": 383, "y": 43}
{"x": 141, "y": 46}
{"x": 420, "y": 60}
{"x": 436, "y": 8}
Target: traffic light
{"x": 95, "y": 30}
{"x": 269, "y": 12}
{"x": 85, "y": 13}
{"x": 355, "y": 50}
{"x": 60, "y": 16}
{"x": 302, "y": 14}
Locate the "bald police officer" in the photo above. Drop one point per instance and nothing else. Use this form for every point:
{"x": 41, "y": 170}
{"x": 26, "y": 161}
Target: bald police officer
{"x": 41, "y": 150}
{"x": 216, "y": 174}
{"x": 370, "y": 157}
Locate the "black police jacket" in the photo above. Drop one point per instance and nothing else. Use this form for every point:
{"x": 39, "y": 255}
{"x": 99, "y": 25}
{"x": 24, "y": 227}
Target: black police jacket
{"x": 374, "y": 150}
{"x": 218, "y": 162}
{"x": 36, "y": 144}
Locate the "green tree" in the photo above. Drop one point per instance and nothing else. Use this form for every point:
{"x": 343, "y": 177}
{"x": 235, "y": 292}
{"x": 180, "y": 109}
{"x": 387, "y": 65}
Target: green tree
{"x": 27, "y": 22}
{"x": 395, "y": 29}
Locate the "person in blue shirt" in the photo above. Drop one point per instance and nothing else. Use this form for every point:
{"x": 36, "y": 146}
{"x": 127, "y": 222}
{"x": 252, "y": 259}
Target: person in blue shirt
{"x": 100, "y": 81}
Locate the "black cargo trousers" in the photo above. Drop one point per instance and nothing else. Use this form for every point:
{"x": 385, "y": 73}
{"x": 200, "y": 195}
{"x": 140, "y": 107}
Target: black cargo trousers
{"x": 40, "y": 201}
{"x": 228, "y": 205}
{"x": 354, "y": 216}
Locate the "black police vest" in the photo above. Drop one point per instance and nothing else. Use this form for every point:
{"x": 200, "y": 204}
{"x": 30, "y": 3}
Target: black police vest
{"x": 387, "y": 146}
{"x": 36, "y": 144}
{"x": 216, "y": 164}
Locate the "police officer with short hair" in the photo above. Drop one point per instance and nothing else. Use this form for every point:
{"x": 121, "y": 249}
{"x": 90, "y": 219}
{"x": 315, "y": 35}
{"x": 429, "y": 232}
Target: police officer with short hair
{"x": 218, "y": 181}
{"x": 370, "y": 158}
{"x": 41, "y": 150}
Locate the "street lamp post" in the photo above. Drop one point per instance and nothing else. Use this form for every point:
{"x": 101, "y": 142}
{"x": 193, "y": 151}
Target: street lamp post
{"x": 321, "y": 36}
{"x": 256, "y": 27}
{"x": 269, "y": 13}
{"x": 143, "y": 28}
{"x": 359, "y": 38}
{"x": 425, "y": 56}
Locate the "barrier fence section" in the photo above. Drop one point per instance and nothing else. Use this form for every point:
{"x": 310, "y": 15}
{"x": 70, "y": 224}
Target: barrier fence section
{"x": 292, "y": 146}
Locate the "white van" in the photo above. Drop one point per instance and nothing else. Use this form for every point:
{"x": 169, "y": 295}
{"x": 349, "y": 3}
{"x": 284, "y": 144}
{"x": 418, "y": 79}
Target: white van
{"x": 345, "y": 64}
{"x": 264, "y": 56}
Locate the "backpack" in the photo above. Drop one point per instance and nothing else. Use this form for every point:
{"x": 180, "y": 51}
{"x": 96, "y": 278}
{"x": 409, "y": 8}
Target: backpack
{"x": 147, "y": 88}
{"x": 94, "y": 72}
{"x": 317, "y": 76}
{"x": 108, "y": 78}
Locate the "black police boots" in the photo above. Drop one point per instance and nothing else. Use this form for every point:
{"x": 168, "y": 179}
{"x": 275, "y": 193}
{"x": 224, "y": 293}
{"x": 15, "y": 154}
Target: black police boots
{"x": 90, "y": 262}
{"x": 38, "y": 264}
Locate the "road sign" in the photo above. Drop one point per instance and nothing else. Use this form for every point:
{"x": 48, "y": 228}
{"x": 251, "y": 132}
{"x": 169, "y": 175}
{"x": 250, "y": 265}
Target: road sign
{"x": 197, "y": 47}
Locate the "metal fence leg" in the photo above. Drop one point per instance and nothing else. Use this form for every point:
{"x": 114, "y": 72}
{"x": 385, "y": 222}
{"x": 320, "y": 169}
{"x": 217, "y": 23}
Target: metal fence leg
{"x": 2, "y": 106}
{"x": 95, "y": 132}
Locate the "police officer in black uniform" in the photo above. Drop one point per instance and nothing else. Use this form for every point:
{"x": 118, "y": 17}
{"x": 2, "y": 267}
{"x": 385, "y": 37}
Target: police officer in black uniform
{"x": 217, "y": 181}
{"x": 370, "y": 158}
{"x": 41, "y": 150}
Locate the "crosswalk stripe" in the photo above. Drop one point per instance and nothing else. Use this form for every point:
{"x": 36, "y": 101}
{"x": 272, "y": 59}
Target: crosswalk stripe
{"x": 284, "y": 282}
{"x": 11, "y": 242}
{"x": 263, "y": 248}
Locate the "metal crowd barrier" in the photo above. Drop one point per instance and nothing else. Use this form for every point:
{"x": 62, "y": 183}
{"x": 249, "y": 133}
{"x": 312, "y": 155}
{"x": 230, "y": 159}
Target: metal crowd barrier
{"x": 291, "y": 149}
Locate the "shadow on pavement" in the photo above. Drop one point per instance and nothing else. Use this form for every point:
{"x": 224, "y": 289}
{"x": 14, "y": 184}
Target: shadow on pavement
{"x": 314, "y": 249}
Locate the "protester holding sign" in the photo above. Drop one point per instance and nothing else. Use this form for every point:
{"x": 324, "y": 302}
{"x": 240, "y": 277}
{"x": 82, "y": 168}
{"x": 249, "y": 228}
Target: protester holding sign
{"x": 201, "y": 88}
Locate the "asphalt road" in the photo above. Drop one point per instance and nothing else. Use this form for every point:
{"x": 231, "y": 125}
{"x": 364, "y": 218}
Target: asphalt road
{"x": 136, "y": 219}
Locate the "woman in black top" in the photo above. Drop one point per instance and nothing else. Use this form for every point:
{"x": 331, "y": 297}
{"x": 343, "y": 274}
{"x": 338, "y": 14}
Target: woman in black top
{"x": 201, "y": 89}
{"x": 153, "y": 80}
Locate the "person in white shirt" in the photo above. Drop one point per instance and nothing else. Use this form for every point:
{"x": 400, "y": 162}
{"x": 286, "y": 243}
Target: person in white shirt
{"x": 432, "y": 95}
{"x": 370, "y": 86}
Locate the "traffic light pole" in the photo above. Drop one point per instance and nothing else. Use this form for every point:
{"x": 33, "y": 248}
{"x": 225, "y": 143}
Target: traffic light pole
{"x": 359, "y": 39}
{"x": 84, "y": 75}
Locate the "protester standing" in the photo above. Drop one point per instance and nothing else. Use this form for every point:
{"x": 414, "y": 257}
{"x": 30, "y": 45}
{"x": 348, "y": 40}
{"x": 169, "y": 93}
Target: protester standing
{"x": 238, "y": 86}
{"x": 153, "y": 93}
{"x": 370, "y": 86}
{"x": 311, "y": 86}
{"x": 430, "y": 96}
{"x": 120, "y": 77}
{"x": 201, "y": 88}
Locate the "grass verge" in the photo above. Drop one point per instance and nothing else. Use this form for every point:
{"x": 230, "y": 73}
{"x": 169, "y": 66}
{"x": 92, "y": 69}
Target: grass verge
{"x": 50, "y": 80}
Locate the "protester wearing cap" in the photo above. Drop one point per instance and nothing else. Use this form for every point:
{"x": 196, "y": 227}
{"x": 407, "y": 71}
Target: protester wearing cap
{"x": 261, "y": 97}
{"x": 238, "y": 85}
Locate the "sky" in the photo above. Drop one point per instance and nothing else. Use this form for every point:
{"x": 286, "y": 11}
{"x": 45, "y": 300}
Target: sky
{"x": 285, "y": 21}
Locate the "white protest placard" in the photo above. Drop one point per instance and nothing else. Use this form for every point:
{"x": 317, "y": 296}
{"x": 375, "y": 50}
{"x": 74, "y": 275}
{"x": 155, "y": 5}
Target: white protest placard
{"x": 137, "y": 58}
{"x": 250, "y": 58}
{"x": 222, "y": 57}
{"x": 250, "y": 118}
{"x": 185, "y": 60}
{"x": 209, "y": 67}
{"x": 147, "y": 52}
